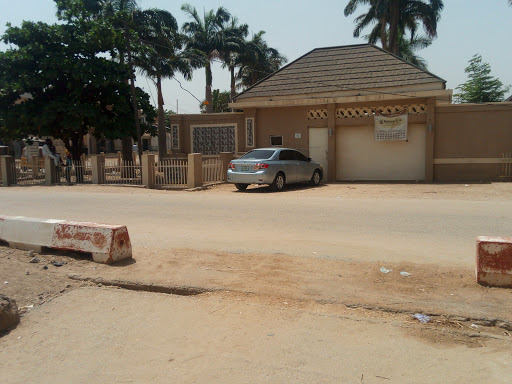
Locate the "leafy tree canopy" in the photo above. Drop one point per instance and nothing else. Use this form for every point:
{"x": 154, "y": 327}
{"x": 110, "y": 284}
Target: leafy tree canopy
{"x": 72, "y": 86}
{"x": 481, "y": 87}
{"x": 220, "y": 102}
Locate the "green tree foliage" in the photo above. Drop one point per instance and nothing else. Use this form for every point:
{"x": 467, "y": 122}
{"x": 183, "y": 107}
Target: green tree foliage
{"x": 161, "y": 58}
{"x": 392, "y": 18}
{"x": 257, "y": 61}
{"x": 72, "y": 85}
{"x": 220, "y": 102}
{"x": 481, "y": 87}
{"x": 205, "y": 34}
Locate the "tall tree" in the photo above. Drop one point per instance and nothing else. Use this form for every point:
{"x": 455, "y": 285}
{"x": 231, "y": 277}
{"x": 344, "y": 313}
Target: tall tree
{"x": 205, "y": 34}
{"x": 161, "y": 58}
{"x": 234, "y": 45}
{"x": 395, "y": 17}
{"x": 408, "y": 48}
{"x": 121, "y": 15}
{"x": 481, "y": 87}
{"x": 258, "y": 61}
{"x": 72, "y": 86}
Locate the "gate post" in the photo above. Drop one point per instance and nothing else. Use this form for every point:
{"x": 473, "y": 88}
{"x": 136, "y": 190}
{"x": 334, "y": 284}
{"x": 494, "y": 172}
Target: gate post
{"x": 98, "y": 169}
{"x": 225, "y": 157}
{"x": 6, "y": 170}
{"x": 148, "y": 170}
{"x": 35, "y": 166}
{"x": 50, "y": 171}
{"x": 195, "y": 170}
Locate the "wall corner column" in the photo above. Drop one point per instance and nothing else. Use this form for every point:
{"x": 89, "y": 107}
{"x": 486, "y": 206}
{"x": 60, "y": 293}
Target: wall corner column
{"x": 195, "y": 170}
{"x": 148, "y": 170}
{"x": 331, "y": 142}
{"x": 429, "y": 142}
{"x": 98, "y": 169}
{"x": 6, "y": 170}
{"x": 225, "y": 157}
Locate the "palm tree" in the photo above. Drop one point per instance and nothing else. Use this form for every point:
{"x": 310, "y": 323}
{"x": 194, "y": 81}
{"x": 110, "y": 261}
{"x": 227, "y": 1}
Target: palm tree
{"x": 161, "y": 58}
{"x": 257, "y": 61}
{"x": 234, "y": 45}
{"x": 206, "y": 34}
{"x": 395, "y": 17}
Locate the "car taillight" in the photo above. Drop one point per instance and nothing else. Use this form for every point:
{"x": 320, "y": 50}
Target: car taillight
{"x": 261, "y": 166}
{"x": 231, "y": 166}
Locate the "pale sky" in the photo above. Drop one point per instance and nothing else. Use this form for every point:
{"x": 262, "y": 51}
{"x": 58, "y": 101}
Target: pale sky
{"x": 467, "y": 27}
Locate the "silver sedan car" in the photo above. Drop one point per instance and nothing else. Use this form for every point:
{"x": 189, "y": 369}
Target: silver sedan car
{"x": 275, "y": 167}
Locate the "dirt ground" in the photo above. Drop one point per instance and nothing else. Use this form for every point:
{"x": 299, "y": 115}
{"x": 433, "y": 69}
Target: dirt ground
{"x": 450, "y": 297}
{"x": 462, "y": 191}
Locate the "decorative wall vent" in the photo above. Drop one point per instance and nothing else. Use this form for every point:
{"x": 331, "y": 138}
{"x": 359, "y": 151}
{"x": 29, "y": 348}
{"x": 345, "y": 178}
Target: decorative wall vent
{"x": 317, "y": 114}
{"x": 413, "y": 109}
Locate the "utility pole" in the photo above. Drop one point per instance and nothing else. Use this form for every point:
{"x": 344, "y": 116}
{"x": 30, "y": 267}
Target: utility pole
{"x": 177, "y": 106}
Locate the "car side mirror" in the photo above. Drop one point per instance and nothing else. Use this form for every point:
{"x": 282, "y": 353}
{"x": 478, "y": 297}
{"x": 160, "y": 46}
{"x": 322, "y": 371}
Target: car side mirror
{"x": 309, "y": 159}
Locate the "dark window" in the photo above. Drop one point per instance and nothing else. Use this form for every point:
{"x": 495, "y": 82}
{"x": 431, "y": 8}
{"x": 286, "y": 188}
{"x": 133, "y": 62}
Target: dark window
{"x": 286, "y": 155}
{"x": 259, "y": 154}
{"x": 276, "y": 140}
{"x": 299, "y": 156}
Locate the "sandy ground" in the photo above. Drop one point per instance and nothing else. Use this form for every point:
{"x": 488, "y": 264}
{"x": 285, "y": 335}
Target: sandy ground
{"x": 255, "y": 317}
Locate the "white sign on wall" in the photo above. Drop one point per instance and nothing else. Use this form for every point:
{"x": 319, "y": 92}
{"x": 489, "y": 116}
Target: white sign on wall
{"x": 391, "y": 127}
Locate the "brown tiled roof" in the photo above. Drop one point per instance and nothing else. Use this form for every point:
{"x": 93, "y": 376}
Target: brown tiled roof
{"x": 335, "y": 69}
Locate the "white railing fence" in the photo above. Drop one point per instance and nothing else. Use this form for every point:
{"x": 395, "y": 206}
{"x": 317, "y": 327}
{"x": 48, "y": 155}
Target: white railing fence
{"x": 27, "y": 173}
{"x": 75, "y": 172}
{"x": 212, "y": 171}
{"x": 125, "y": 174}
{"x": 171, "y": 173}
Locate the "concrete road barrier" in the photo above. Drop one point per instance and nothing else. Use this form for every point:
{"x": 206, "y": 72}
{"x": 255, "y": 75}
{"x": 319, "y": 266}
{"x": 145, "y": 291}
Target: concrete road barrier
{"x": 494, "y": 261}
{"x": 106, "y": 243}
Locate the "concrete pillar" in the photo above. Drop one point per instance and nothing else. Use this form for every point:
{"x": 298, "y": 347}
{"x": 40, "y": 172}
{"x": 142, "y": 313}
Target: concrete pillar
{"x": 50, "y": 171}
{"x": 429, "y": 150}
{"x": 98, "y": 169}
{"x": 225, "y": 157}
{"x": 7, "y": 170}
{"x": 35, "y": 166}
{"x": 331, "y": 142}
{"x": 195, "y": 170}
{"x": 148, "y": 170}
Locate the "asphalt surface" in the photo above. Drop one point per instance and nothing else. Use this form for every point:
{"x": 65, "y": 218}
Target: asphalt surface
{"x": 320, "y": 226}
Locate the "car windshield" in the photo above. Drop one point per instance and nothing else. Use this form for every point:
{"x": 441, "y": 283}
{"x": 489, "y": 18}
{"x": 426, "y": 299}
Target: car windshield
{"x": 258, "y": 154}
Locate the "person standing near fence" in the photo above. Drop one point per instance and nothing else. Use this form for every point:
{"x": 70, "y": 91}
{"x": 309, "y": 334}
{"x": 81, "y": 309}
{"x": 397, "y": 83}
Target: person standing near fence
{"x": 69, "y": 166}
{"x": 50, "y": 151}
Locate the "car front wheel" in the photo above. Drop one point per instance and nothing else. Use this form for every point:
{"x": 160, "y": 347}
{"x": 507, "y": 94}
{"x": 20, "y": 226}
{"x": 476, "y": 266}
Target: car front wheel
{"x": 241, "y": 187}
{"x": 279, "y": 182}
{"x": 315, "y": 179}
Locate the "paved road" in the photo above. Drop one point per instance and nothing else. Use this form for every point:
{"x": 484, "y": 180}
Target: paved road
{"x": 366, "y": 229}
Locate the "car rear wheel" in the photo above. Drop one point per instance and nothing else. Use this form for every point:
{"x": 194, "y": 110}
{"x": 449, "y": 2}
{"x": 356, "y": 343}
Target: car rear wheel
{"x": 241, "y": 187}
{"x": 315, "y": 179}
{"x": 279, "y": 182}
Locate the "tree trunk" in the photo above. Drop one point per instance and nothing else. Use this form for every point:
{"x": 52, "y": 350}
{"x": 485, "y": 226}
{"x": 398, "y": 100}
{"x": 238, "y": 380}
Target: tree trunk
{"x": 384, "y": 36}
{"x": 162, "y": 132}
{"x": 233, "y": 84}
{"x": 208, "y": 93}
{"x": 393, "y": 26}
{"x": 126, "y": 142}
{"x": 134, "y": 96}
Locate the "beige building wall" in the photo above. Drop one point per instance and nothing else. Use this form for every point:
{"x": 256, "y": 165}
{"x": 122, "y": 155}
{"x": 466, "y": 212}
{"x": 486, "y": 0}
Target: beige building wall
{"x": 186, "y": 121}
{"x": 470, "y": 140}
{"x": 287, "y": 122}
